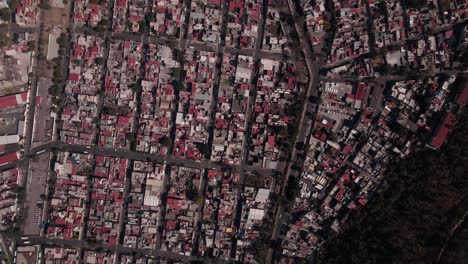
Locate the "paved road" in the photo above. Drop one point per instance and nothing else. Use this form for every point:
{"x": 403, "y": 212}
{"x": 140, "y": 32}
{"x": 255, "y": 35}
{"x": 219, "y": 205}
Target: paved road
{"x": 305, "y": 121}
{"x": 119, "y": 249}
{"x": 15, "y": 28}
{"x": 249, "y": 117}
{"x": 386, "y": 78}
{"x": 30, "y": 109}
{"x": 31, "y": 105}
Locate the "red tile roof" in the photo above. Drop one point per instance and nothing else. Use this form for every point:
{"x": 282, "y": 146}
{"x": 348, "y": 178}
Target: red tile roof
{"x": 13, "y": 100}
{"x": 7, "y": 158}
{"x": 462, "y": 98}
{"x": 443, "y": 131}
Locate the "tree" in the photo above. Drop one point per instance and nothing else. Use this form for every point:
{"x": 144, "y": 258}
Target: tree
{"x": 330, "y": 27}
{"x": 55, "y": 90}
{"x": 100, "y": 60}
{"x": 293, "y": 35}
{"x": 31, "y": 45}
{"x": 100, "y": 29}
{"x": 62, "y": 40}
{"x": 135, "y": 87}
{"x": 79, "y": 61}
{"x": 300, "y": 145}
{"x": 178, "y": 55}
{"x": 44, "y": 6}
{"x": 14, "y": 4}
{"x": 165, "y": 141}
{"x": 142, "y": 26}
{"x": 190, "y": 191}
{"x": 5, "y": 14}
{"x": 41, "y": 57}
{"x": 20, "y": 194}
{"x": 130, "y": 137}
{"x": 312, "y": 99}
{"x": 4, "y": 39}
{"x": 13, "y": 232}
{"x": 178, "y": 85}
{"x": 128, "y": 24}
{"x": 291, "y": 187}
{"x": 57, "y": 77}
{"x": 416, "y": 3}
{"x": 54, "y": 109}
{"x": 176, "y": 72}
{"x": 103, "y": 22}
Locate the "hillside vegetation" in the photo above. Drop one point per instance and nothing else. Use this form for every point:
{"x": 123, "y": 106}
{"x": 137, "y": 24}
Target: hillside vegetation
{"x": 412, "y": 220}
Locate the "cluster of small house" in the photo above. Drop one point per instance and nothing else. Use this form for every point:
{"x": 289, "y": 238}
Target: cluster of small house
{"x": 157, "y": 100}
{"x": 217, "y": 229}
{"x": 69, "y": 255}
{"x": 195, "y": 105}
{"x": 349, "y": 150}
{"x": 243, "y": 19}
{"x": 425, "y": 54}
{"x": 66, "y": 255}
{"x": 26, "y": 13}
{"x": 9, "y": 180}
{"x": 361, "y": 68}
{"x": 167, "y": 18}
{"x": 273, "y": 36}
{"x": 97, "y": 257}
{"x": 107, "y": 198}
{"x": 15, "y": 62}
{"x": 404, "y": 104}
{"x": 182, "y": 212}
{"x": 120, "y": 88}
{"x": 454, "y": 11}
{"x": 79, "y": 114}
{"x": 205, "y": 21}
{"x": 56, "y": 255}
{"x": 138, "y": 259}
{"x": 104, "y": 178}
{"x": 351, "y": 38}
{"x": 316, "y": 19}
{"x": 144, "y": 205}
{"x": 90, "y": 13}
{"x": 128, "y": 15}
{"x": 255, "y": 205}
{"x": 428, "y": 52}
{"x": 392, "y": 24}
{"x": 388, "y": 22}
{"x": 68, "y": 194}
{"x": 130, "y": 259}
{"x": 276, "y": 91}
{"x": 422, "y": 20}
{"x": 330, "y": 174}
{"x": 232, "y": 102}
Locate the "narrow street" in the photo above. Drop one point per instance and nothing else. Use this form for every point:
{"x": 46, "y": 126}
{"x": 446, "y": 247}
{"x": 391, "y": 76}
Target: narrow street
{"x": 304, "y": 123}
{"x": 119, "y": 249}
